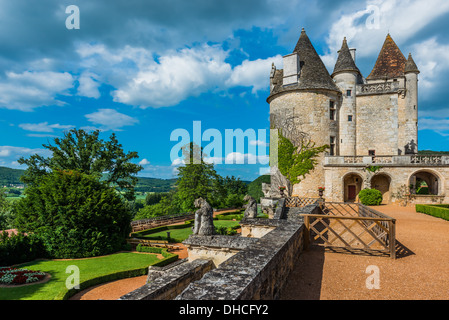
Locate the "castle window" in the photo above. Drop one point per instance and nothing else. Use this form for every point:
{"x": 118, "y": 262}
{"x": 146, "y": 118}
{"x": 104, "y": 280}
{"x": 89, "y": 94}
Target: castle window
{"x": 332, "y": 110}
{"x": 372, "y": 152}
{"x": 350, "y": 118}
{"x": 332, "y": 147}
{"x": 348, "y": 93}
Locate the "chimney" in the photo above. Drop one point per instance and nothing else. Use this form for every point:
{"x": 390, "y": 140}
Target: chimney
{"x": 291, "y": 69}
{"x": 352, "y": 50}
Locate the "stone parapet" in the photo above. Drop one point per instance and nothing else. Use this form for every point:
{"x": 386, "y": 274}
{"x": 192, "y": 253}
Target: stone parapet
{"x": 170, "y": 281}
{"x": 259, "y": 271}
{"x": 218, "y": 248}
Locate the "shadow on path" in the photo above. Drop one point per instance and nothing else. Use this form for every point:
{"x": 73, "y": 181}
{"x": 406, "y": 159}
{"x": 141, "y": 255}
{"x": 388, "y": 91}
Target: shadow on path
{"x": 304, "y": 281}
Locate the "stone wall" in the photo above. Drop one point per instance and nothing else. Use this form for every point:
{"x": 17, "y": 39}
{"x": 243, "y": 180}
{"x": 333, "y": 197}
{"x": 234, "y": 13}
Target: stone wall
{"x": 377, "y": 124}
{"x": 170, "y": 281}
{"x": 259, "y": 271}
{"x": 217, "y": 248}
{"x": 306, "y": 114}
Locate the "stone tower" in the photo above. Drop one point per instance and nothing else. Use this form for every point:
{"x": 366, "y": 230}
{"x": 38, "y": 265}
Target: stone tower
{"x": 346, "y": 76}
{"x": 411, "y": 112}
{"x": 304, "y": 103}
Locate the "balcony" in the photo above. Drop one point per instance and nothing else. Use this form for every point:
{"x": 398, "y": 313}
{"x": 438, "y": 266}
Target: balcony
{"x": 392, "y": 161}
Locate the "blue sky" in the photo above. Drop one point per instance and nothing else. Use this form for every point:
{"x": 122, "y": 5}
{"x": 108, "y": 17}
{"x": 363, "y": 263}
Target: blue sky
{"x": 142, "y": 69}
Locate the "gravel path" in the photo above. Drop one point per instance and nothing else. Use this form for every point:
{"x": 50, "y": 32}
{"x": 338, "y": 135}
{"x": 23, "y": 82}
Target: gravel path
{"x": 419, "y": 273}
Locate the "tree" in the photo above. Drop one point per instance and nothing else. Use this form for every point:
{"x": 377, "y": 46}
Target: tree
{"x": 6, "y": 212}
{"x": 197, "y": 179}
{"x": 295, "y": 162}
{"x": 88, "y": 154}
{"x": 74, "y": 214}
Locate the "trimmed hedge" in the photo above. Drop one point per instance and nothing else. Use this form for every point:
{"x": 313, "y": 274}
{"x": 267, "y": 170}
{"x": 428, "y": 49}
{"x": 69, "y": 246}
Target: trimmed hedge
{"x": 140, "y": 234}
{"x": 168, "y": 258}
{"x": 438, "y": 211}
{"x": 370, "y": 197}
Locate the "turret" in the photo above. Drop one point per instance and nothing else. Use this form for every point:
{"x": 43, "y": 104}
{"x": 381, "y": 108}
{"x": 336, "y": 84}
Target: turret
{"x": 345, "y": 76}
{"x": 411, "y": 123}
{"x": 303, "y": 104}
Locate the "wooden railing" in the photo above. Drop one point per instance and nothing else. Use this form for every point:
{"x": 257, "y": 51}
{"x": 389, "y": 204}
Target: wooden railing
{"x": 352, "y": 228}
{"x": 295, "y": 202}
{"x": 145, "y": 224}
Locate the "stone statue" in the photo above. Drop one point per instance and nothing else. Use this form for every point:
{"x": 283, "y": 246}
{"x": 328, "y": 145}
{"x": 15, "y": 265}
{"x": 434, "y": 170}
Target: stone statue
{"x": 204, "y": 224}
{"x": 251, "y": 207}
{"x": 268, "y": 192}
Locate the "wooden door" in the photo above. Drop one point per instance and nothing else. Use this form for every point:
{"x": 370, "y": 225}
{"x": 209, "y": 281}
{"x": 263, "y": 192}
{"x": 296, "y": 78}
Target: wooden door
{"x": 352, "y": 193}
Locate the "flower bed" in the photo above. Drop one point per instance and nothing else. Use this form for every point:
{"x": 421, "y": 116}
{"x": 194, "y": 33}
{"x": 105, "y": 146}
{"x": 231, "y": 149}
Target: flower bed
{"x": 13, "y": 276}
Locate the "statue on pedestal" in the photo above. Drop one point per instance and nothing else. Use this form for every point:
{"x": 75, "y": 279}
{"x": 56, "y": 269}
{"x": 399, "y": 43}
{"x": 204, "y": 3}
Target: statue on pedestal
{"x": 204, "y": 224}
{"x": 251, "y": 207}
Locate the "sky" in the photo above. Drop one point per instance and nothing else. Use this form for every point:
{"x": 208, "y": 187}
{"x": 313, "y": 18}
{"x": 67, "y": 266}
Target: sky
{"x": 145, "y": 69}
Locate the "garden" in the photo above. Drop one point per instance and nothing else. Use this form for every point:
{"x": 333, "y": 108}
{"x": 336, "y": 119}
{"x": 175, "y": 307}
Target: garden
{"x": 225, "y": 224}
{"x": 92, "y": 271}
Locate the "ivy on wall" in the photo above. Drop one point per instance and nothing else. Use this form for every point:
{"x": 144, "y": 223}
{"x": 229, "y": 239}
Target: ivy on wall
{"x": 296, "y": 162}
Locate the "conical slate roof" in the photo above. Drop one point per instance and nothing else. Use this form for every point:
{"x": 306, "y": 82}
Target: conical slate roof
{"x": 411, "y": 66}
{"x": 314, "y": 74}
{"x": 390, "y": 63}
{"x": 345, "y": 62}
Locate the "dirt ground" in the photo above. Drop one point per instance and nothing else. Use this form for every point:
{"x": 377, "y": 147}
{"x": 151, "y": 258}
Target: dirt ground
{"x": 420, "y": 271}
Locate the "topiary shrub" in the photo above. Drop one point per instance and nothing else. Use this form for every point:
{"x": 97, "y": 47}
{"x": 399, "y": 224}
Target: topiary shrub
{"x": 370, "y": 197}
{"x": 75, "y": 215}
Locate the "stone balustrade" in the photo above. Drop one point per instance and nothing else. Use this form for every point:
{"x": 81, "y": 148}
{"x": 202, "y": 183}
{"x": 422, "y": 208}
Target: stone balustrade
{"x": 407, "y": 160}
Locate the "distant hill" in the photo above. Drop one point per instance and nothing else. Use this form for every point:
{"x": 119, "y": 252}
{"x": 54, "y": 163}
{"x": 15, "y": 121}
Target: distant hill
{"x": 10, "y": 176}
{"x": 154, "y": 185}
{"x": 429, "y": 152}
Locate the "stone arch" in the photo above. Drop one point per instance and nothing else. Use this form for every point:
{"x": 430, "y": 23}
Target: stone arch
{"x": 382, "y": 182}
{"x": 431, "y": 178}
{"x": 352, "y": 185}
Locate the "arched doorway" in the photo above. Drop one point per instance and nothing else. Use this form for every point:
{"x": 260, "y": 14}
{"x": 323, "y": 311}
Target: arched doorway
{"x": 352, "y": 185}
{"x": 382, "y": 183}
{"x": 425, "y": 182}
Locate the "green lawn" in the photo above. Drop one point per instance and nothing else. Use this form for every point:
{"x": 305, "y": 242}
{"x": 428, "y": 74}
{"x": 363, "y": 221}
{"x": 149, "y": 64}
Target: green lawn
{"x": 89, "y": 269}
{"x": 183, "y": 233}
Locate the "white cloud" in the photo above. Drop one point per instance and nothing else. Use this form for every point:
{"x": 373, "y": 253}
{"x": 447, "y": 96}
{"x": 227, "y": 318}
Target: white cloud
{"x": 366, "y": 29}
{"x": 110, "y": 119}
{"x": 10, "y": 154}
{"x": 44, "y": 127}
{"x": 248, "y": 158}
{"x": 144, "y": 162}
{"x": 440, "y": 125}
{"x": 140, "y": 80}
{"x": 177, "y": 76}
{"x": 89, "y": 85}
{"x": 254, "y": 74}
{"x": 433, "y": 61}
{"x": 28, "y": 90}
{"x": 178, "y": 162}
